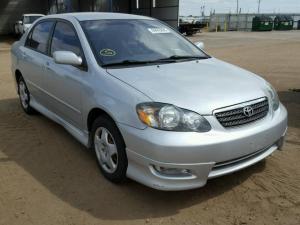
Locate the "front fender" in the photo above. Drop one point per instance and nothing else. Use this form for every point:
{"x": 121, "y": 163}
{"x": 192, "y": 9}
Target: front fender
{"x": 113, "y": 96}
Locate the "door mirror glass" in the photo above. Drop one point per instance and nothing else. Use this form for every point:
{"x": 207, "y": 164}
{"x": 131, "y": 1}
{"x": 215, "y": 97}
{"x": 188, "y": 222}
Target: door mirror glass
{"x": 200, "y": 45}
{"x": 67, "y": 57}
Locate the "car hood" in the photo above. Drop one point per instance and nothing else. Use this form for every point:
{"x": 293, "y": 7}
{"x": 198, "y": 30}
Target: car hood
{"x": 201, "y": 86}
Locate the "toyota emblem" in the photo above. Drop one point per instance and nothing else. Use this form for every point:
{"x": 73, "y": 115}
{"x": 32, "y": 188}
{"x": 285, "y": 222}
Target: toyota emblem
{"x": 248, "y": 111}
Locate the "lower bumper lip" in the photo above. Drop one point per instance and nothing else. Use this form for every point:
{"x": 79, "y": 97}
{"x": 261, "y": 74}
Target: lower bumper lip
{"x": 198, "y": 176}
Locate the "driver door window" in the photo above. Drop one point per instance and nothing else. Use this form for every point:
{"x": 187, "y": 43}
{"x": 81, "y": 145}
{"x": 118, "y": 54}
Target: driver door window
{"x": 65, "y": 39}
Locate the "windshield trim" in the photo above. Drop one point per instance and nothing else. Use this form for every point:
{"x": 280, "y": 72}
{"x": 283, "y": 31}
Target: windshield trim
{"x": 102, "y": 64}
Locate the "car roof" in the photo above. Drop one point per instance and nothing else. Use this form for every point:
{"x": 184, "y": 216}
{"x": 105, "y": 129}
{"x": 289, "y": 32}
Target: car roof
{"x": 82, "y": 16}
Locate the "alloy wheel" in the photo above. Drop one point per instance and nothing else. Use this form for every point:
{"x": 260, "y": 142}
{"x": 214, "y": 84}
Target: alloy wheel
{"x": 106, "y": 150}
{"x": 24, "y": 97}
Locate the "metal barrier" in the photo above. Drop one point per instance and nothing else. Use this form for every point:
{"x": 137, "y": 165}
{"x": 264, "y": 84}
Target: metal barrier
{"x": 239, "y": 22}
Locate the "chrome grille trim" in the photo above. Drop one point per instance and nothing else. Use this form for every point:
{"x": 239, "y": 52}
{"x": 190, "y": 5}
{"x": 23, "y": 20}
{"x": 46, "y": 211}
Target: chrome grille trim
{"x": 234, "y": 115}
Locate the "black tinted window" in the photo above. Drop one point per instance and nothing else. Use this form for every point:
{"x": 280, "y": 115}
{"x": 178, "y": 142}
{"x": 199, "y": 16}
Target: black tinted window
{"x": 65, "y": 39}
{"x": 38, "y": 39}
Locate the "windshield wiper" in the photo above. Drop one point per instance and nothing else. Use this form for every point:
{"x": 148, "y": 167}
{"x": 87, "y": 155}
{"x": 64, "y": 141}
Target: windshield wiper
{"x": 182, "y": 57}
{"x": 170, "y": 59}
{"x": 127, "y": 63}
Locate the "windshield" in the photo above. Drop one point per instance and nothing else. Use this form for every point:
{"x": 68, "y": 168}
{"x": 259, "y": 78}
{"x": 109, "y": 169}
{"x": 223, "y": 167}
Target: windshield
{"x": 30, "y": 19}
{"x": 117, "y": 41}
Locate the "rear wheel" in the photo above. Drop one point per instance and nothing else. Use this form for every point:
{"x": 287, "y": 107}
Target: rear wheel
{"x": 24, "y": 96}
{"x": 109, "y": 148}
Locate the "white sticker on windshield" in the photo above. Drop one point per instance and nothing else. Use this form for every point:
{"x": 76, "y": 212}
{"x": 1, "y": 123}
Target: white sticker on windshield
{"x": 159, "y": 30}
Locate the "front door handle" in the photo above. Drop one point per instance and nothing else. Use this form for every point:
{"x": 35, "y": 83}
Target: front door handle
{"x": 24, "y": 55}
{"x": 48, "y": 66}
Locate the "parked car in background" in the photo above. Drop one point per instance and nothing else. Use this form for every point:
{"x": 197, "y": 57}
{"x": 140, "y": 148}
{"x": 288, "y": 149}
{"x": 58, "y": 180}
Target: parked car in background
{"x": 152, "y": 105}
{"x": 27, "y": 20}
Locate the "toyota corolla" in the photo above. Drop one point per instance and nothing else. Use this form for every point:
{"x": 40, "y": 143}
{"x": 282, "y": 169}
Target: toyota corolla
{"x": 152, "y": 105}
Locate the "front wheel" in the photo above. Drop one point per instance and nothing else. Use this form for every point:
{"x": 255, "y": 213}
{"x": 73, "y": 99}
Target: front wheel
{"x": 109, "y": 148}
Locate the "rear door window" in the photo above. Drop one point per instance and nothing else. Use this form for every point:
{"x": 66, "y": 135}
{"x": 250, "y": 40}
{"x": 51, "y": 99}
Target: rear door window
{"x": 39, "y": 36}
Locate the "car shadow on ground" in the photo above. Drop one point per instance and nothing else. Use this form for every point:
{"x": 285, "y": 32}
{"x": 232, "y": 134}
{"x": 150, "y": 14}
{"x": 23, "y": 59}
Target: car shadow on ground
{"x": 69, "y": 171}
{"x": 291, "y": 100}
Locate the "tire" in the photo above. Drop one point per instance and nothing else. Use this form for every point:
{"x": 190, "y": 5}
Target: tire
{"x": 109, "y": 148}
{"x": 24, "y": 97}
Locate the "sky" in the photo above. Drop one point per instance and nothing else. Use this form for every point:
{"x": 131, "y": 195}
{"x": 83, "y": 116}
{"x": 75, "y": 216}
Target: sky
{"x": 193, "y": 7}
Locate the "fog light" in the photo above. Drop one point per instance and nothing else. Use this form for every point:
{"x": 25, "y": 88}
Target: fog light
{"x": 172, "y": 172}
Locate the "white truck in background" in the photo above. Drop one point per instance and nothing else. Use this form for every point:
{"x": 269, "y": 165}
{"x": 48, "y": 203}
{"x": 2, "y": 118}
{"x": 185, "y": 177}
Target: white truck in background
{"x": 27, "y": 20}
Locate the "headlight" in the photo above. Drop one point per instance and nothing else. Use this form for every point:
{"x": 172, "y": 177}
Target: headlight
{"x": 274, "y": 97}
{"x": 169, "y": 117}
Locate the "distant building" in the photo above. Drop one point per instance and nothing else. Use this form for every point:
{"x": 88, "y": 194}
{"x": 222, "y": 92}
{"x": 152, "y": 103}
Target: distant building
{"x": 12, "y": 10}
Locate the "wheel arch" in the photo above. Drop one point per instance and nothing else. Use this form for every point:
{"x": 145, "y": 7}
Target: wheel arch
{"x": 18, "y": 74}
{"x": 94, "y": 113}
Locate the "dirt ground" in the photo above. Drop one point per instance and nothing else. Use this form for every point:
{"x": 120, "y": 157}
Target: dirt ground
{"x": 47, "y": 177}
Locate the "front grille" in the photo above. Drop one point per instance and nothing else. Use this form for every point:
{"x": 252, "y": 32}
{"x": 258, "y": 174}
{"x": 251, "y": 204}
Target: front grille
{"x": 235, "y": 116}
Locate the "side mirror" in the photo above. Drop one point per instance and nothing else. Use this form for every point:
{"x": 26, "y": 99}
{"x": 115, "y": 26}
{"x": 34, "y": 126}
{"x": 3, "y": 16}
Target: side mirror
{"x": 20, "y": 22}
{"x": 67, "y": 57}
{"x": 200, "y": 45}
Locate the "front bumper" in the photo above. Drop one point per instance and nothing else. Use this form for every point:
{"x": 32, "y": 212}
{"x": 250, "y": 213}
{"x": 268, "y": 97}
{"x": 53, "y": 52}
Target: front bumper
{"x": 204, "y": 155}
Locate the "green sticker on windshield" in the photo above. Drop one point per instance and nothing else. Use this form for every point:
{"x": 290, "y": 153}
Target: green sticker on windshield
{"x": 107, "y": 52}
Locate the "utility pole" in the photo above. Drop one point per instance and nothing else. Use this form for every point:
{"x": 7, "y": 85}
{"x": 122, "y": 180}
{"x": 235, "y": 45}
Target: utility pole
{"x": 237, "y": 6}
{"x": 258, "y": 10}
{"x": 202, "y": 10}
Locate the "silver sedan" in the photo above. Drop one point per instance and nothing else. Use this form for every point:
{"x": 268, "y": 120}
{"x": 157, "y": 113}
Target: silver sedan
{"x": 152, "y": 105}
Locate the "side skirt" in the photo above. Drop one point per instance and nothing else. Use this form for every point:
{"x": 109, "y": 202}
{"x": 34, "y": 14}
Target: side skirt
{"x": 82, "y": 137}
